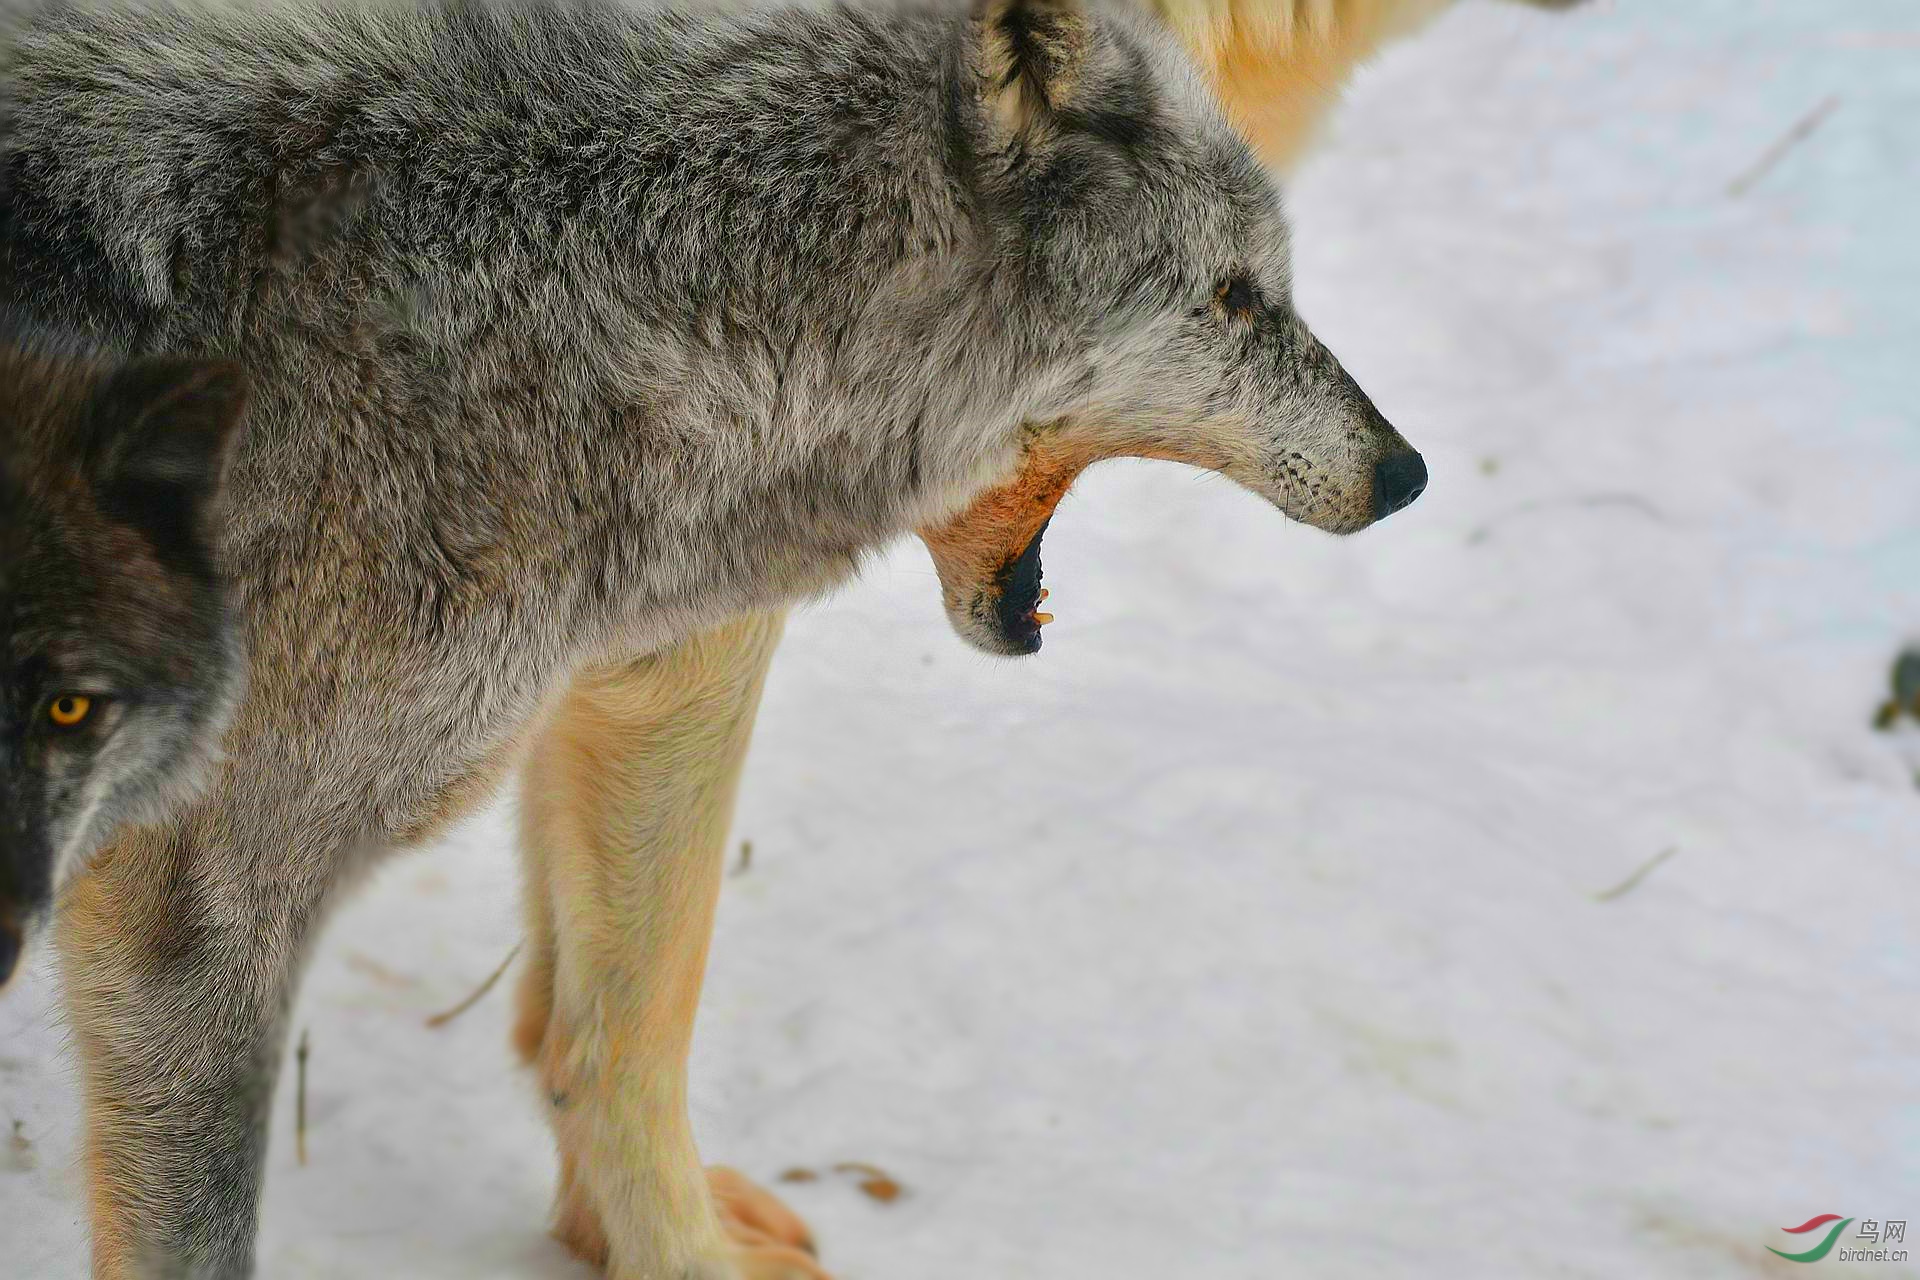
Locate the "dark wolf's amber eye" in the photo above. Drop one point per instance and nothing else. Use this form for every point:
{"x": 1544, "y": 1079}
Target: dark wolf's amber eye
{"x": 70, "y": 710}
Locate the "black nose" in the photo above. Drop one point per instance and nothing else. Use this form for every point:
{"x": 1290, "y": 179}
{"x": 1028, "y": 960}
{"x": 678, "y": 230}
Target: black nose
{"x": 9, "y": 951}
{"x": 1397, "y": 481}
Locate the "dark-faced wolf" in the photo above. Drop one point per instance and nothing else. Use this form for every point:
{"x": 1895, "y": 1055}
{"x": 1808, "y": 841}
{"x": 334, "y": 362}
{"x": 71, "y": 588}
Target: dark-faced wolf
{"x": 117, "y": 641}
{"x": 581, "y": 339}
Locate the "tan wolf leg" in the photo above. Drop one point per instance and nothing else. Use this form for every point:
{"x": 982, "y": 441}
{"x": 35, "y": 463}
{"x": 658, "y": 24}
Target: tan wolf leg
{"x": 179, "y": 965}
{"x": 625, "y": 807}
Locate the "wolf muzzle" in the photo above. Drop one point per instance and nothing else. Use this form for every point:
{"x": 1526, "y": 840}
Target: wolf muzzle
{"x": 988, "y": 556}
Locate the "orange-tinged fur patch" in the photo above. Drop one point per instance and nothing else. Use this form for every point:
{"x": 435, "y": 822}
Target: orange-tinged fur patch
{"x": 628, "y": 793}
{"x": 113, "y": 919}
{"x": 1279, "y": 67}
{"x": 972, "y": 550}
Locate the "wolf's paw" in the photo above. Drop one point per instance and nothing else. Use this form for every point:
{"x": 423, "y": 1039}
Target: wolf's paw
{"x": 767, "y": 1240}
{"x": 764, "y": 1240}
{"x": 576, "y": 1222}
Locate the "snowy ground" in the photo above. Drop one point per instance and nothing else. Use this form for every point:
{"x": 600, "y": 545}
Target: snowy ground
{"x": 1256, "y": 929}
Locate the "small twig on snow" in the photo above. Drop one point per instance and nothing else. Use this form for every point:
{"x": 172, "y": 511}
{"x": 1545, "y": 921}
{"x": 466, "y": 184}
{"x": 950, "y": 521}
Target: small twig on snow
{"x": 300, "y": 1100}
{"x": 442, "y": 1018}
{"x": 1632, "y": 882}
{"x": 1802, "y": 130}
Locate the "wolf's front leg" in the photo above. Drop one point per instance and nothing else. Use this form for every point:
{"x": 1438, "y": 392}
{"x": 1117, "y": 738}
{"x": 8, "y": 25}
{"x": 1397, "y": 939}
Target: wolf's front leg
{"x": 178, "y": 977}
{"x": 627, "y": 799}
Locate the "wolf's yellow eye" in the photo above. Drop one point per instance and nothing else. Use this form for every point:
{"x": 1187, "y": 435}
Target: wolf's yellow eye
{"x": 1239, "y": 297}
{"x": 69, "y": 710}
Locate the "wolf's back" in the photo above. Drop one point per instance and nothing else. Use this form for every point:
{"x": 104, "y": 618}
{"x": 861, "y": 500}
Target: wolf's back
{"x": 113, "y": 119}
{"x": 56, "y": 279}
{"x": 153, "y": 153}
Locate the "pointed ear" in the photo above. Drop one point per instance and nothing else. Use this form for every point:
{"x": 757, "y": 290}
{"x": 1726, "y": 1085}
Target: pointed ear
{"x": 162, "y": 431}
{"x": 1034, "y": 56}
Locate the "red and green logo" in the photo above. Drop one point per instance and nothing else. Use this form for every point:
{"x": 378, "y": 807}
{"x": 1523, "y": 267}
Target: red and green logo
{"x": 1820, "y": 1250}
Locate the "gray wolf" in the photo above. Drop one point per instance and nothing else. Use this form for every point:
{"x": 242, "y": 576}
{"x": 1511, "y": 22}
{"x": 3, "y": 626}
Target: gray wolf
{"x": 578, "y": 336}
{"x": 638, "y": 765}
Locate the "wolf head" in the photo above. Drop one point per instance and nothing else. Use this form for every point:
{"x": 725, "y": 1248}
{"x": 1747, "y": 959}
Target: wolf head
{"x": 1116, "y": 186}
{"x": 117, "y": 660}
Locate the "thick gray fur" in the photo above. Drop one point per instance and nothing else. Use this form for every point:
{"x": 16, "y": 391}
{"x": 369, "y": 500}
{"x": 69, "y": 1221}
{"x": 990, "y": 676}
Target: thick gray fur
{"x": 573, "y": 329}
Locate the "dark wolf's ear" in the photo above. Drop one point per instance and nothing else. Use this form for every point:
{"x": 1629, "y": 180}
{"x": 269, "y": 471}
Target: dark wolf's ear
{"x": 1034, "y": 57}
{"x": 161, "y": 432}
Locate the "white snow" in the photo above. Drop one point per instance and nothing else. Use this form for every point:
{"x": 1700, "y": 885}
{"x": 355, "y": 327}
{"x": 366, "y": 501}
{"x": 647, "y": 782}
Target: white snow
{"x": 1253, "y": 929}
